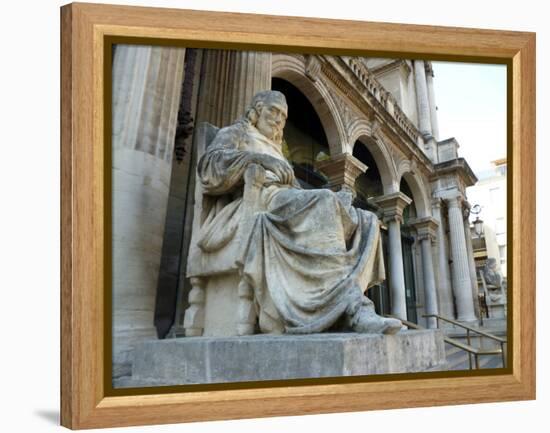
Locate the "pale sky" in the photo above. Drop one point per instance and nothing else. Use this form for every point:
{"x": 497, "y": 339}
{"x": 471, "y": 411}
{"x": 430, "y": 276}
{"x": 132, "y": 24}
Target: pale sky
{"x": 471, "y": 101}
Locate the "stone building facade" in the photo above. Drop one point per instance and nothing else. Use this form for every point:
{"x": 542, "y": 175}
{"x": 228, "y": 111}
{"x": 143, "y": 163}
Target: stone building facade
{"x": 368, "y": 125}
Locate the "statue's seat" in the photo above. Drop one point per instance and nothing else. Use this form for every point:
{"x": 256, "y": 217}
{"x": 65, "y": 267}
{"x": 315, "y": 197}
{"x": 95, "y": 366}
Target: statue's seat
{"x": 220, "y": 301}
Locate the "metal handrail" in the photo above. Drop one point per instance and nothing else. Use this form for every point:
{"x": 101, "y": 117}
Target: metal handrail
{"x": 469, "y": 329}
{"x": 477, "y": 331}
{"x": 476, "y": 352}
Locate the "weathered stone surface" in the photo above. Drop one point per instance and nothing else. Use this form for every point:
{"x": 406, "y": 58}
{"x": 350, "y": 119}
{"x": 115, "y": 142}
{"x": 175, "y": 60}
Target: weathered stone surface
{"x": 268, "y": 357}
{"x": 270, "y": 252}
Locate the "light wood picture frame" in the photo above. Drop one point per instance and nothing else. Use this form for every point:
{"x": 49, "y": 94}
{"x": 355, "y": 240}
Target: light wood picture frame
{"x": 87, "y": 34}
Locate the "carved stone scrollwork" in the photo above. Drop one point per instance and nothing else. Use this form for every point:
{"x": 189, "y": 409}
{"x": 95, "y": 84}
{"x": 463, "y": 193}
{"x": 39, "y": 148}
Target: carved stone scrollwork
{"x": 313, "y": 67}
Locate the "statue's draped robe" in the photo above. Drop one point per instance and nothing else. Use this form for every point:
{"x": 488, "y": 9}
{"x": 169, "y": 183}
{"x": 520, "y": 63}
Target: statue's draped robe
{"x": 308, "y": 254}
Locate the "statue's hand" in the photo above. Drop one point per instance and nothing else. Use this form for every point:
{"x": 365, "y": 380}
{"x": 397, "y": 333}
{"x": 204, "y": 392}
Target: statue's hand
{"x": 281, "y": 168}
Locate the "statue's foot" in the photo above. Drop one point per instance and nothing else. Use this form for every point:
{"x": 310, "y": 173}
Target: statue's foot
{"x": 366, "y": 321}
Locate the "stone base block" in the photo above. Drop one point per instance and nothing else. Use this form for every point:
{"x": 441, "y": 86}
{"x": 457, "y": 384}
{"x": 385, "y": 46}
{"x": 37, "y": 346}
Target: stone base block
{"x": 199, "y": 360}
{"x": 497, "y": 311}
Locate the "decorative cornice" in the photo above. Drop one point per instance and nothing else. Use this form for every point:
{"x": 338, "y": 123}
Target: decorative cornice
{"x": 457, "y": 167}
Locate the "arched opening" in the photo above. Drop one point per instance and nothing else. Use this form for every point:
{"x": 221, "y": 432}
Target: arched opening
{"x": 417, "y": 193}
{"x": 407, "y": 246}
{"x": 305, "y": 140}
{"x": 366, "y": 146}
{"x": 293, "y": 70}
{"x": 369, "y": 184}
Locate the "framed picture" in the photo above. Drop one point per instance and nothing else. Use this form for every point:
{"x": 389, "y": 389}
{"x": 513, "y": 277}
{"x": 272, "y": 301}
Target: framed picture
{"x": 271, "y": 210}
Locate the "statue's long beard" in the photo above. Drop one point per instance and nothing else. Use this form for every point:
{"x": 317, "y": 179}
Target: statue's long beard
{"x": 278, "y": 136}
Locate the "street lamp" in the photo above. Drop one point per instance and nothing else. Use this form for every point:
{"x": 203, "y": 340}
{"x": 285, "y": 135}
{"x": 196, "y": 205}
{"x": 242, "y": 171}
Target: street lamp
{"x": 478, "y": 223}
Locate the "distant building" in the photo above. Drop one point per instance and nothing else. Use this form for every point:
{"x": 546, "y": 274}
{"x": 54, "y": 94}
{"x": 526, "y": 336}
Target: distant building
{"x": 490, "y": 194}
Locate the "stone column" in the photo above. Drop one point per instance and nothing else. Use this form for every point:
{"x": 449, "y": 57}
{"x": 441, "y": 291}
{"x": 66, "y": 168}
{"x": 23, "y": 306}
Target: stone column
{"x": 431, "y": 99}
{"x": 462, "y": 284}
{"x": 471, "y": 262}
{"x": 426, "y": 229}
{"x": 342, "y": 170}
{"x": 423, "y": 106}
{"x": 230, "y": 80}
{"x": 392, "y": 206}
{"x": 422, "y": 100}
{"x": 146, "y": 90}
{"x": 445, "y": 294}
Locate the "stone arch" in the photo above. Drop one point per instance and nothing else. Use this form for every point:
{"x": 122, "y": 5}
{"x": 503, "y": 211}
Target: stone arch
{"x": 361, "y": 131}
{"x": 293, "y": 70}
{"x": 407, "y": 170}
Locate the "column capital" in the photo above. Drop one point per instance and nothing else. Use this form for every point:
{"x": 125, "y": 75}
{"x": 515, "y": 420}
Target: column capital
{"x": 392, "y": 205}
{"x": 426, "y": 228}
{"x": 436, "y": 202}
{"x": 342, "y": 170}
{"x": 452, "y": 198}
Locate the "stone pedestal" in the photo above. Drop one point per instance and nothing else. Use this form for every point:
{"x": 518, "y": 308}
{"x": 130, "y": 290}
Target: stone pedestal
{"x": 198, "y": 360}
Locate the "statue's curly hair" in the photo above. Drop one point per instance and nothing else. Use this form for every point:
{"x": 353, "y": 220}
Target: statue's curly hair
{"x": 253, "y": 112}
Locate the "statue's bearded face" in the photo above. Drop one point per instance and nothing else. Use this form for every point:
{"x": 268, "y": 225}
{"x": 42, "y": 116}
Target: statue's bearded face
{"x": 271, "y": 120}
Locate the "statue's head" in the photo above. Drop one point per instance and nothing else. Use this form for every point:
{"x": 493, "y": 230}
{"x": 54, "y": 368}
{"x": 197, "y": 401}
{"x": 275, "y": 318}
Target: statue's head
{"x": 268, "y": 112}
{"x": 491, "y": 264}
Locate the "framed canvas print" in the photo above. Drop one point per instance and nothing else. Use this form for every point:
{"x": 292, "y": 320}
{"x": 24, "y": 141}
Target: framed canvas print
{"x": 267, "y": 216}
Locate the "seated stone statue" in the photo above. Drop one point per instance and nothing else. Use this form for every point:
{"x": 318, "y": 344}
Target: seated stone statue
{"x": 494, "y": 281}
{"x": 308, "y": 255}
